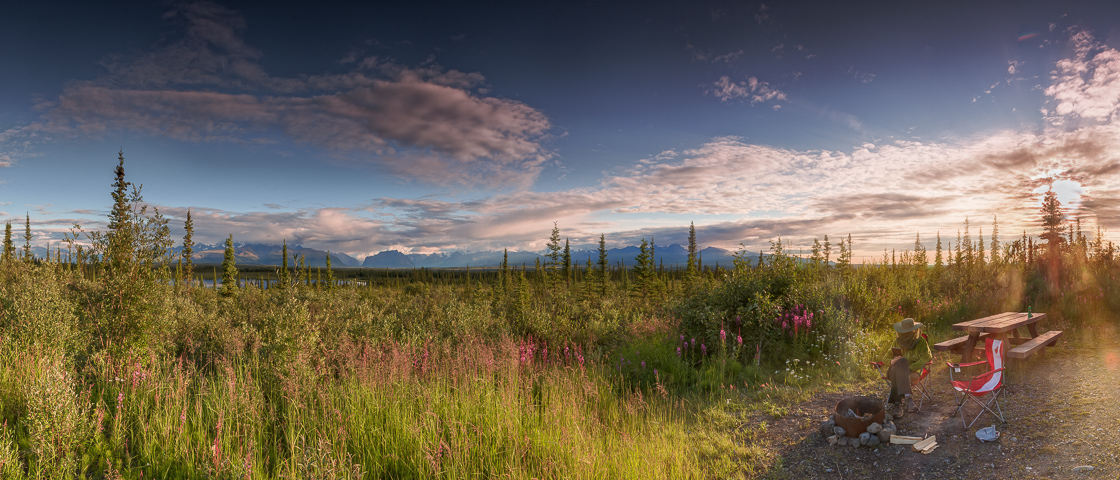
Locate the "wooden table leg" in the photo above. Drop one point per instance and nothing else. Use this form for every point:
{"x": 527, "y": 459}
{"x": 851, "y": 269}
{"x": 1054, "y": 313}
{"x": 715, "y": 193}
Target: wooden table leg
{"x": 966, "y": 353}
{"x": 1033, "y": 329}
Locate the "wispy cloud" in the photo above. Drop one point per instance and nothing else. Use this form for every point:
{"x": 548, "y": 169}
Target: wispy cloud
{"x": 751, "y": 89}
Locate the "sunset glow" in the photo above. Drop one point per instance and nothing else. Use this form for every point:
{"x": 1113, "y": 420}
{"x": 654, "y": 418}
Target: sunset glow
{"x": 363, "y": 129}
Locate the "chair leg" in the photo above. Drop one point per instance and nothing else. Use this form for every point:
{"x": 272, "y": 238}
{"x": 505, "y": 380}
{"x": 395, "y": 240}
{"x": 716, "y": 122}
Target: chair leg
{"x": 994, "y": 399}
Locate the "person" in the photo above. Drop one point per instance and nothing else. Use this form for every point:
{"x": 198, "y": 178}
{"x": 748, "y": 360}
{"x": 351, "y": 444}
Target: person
{"x": 906, "y": 367}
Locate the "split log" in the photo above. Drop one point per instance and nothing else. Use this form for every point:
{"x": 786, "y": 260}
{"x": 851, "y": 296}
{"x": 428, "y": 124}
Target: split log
{"x": 917, "y": 447}
{"x": 903, "y": 440}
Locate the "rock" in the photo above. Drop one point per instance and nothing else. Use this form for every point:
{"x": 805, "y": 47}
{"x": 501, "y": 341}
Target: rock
{"x": 826, "y": 428}
{"x": 885, "y": 434}
{"x": 887, "y": 418}
{"x": 873, "y": 441}
{"x": 874, "y": 428}
{"x": 839, "y": 431}
{"x": 864, "y": 438}
{"x": 1083, "y": 468}
{"x": 832, "y": 440}
{"x": 853, "y": 442}
{"x": 841, "y": 440}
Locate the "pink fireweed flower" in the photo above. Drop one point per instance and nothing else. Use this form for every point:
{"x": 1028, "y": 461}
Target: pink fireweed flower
{"x": 678, "y": 352}
{"x": 703, "y": 349}
{"x": 722, "y": 335}
{"x": 739, "y": 338}
{"x": 643, "y": 364}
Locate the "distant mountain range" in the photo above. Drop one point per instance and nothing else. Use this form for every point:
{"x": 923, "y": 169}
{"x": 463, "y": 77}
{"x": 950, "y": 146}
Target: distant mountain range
{"x": 265, "y": 254}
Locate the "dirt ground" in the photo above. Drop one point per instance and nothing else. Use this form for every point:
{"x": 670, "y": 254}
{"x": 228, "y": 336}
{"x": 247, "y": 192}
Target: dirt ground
{"x": 1063, "y": 421}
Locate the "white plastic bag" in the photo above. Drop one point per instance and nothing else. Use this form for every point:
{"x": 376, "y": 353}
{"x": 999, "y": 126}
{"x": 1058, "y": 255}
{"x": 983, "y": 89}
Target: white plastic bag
{"x": 987, "y": 434}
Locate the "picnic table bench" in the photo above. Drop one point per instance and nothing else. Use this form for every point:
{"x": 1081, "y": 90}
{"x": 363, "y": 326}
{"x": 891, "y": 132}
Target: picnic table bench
{"x": 999, "y": 326}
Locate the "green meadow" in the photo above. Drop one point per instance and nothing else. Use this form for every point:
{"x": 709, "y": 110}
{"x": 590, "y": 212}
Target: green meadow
{"x": 116, "y": 361}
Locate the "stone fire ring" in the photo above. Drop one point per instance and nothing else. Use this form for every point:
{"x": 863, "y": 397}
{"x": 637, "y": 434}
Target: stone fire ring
{"x": 861, "y": 406}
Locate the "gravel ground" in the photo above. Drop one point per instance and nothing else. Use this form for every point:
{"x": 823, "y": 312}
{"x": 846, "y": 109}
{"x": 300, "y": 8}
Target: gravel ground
{"x": 1063, "y": 421}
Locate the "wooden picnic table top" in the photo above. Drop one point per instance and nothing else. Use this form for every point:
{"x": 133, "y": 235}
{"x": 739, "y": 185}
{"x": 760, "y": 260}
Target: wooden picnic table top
{"x": 999, "y": 323}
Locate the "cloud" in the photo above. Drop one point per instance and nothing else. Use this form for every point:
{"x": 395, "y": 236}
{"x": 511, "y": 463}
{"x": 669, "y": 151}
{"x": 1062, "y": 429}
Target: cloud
{"x": 421, "y": 122}
{"x": 752, "y": 89}
{"x": 1087, "y": 86}
{"x": 863, "y": 77}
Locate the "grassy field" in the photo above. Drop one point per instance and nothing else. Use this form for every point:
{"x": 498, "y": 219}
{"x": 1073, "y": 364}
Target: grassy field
{"x": 109, "y": 372}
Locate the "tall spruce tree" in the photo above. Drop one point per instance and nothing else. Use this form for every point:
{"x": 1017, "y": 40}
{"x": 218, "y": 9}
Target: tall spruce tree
{"x": 604, "y": 266}
{"x": 120, "y": 238}
{"x": 996, "y": 247}
{"x": 826, "y": 250}
{"x": 980, "y": 249}
{"x": 27, "y": 257}
{"x": 690, "y": 268}
{"x": 188, "y": 249}
{"x": 330, "y": 274}
{"x": 815, "y": 253}
{"x": 229, "y": 270}
{"x": 1052, "y": 217}
{"x": 9, "y": 249}
{"x": 937, "y": 262}
{"x": 643, "y": 268}
{"x": 285, "y": 274}
{"x": 920, "y": 258}
{"x": 843, "y": 260}
{"x": 553, "y": 246}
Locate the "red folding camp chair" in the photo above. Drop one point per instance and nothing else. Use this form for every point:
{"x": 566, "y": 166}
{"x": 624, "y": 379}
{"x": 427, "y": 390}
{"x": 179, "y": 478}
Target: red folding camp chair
{"x": 988, "y": 384}
{"x": 920, "y": 384}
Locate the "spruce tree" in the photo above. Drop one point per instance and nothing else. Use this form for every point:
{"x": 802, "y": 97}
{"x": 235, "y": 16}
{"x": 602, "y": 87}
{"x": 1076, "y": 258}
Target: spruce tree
{"x": 120, "y": 241}
{"x": 330, "y": 274}
{"x": 969, "y": 251}
{"x": 816, "y": 258}
{"x": 1052, "y": 216}
{"x": 553, "y": 254}
{"x": 827, "y": 251}
{"x": 285, "y": 275}
{"x": 604, "y": 275}
{"x": 9, "y": 249}
{"x": 690, "y": 269}
{"x": 27, "y": 257}
{"x": 920, "y": 258}
{"x": 229, "y": 270}
{"x": 844, "y": 259}
{"x": 937, "y": 261}
{"x": 980, "y": 249}
{"x": 995, "y": 241}
{"x": 643, "y": 266}
{"x": 188, "y": 249}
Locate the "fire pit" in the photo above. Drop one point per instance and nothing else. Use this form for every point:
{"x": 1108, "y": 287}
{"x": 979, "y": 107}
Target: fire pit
{"x": 859, "y": 421}
{"x": 867, "y": 410}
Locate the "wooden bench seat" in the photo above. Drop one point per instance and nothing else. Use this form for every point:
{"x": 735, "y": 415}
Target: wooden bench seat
{"x": 1035, "y": 344}
{"x": 956, "y": 343}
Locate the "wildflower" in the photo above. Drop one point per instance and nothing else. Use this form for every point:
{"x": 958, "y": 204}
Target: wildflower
{"x": 678, "y": 352}
{"x": 703, "y": 349}
{"x": 739, "y": 338}
{"x": 722, "y": 335}
{"x": 643, "y": 364}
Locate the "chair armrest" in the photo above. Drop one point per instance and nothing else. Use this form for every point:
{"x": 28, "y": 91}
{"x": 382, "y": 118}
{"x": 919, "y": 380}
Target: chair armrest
{"x": 877, "y": 364}
{"x": 985, "y": 374}
{"x": 971, "y": 364}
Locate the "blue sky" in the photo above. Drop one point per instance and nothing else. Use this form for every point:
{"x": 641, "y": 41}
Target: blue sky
{"x": 443, "y": 126}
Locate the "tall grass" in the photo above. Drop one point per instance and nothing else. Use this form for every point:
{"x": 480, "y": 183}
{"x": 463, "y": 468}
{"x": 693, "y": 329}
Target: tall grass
{"x": 522, "y": 375}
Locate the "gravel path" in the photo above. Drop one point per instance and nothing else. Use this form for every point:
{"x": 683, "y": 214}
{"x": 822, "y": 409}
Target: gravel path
{"x": 1063, "y": 421}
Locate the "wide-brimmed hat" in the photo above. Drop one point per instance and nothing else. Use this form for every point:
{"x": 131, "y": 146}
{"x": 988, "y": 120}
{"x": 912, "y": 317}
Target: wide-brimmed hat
{"x": 907, "y": 325}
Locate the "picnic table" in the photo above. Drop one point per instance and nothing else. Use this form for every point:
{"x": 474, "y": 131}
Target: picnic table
{"x": 998, "y": 326}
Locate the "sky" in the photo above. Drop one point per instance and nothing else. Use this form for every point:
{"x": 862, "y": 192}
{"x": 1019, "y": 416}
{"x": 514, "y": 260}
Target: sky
{"x": 434, "y": 127}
